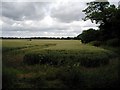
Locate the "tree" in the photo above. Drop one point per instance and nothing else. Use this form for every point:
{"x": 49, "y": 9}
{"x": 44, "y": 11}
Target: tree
{"x": 96, "y": 11}
{"x": 107, "y": 16}
{"x": 89, "y": 35}
{"x": 115, "y": 24}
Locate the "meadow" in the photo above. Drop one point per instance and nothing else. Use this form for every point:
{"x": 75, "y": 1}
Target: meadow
{"x": 57, "y": 64}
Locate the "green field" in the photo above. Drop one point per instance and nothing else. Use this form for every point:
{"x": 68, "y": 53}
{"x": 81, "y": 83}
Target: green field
{"x": 57, "y": 64}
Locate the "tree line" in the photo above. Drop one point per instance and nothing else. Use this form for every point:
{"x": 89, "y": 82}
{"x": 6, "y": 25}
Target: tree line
{"x": 30, "y": 38}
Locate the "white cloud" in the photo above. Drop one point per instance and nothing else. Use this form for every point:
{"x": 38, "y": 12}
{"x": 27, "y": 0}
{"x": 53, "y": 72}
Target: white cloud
{"x": 1, "y": 22}
{"x": 55, "y": 19}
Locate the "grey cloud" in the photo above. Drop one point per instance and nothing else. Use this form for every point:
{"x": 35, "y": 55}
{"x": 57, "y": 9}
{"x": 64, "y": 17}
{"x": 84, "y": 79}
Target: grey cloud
{"x": 66, "y": 19}
{"x": 8, "y": 20}
{"x": 68, "y": 13}
{"x": 23, "y": 10}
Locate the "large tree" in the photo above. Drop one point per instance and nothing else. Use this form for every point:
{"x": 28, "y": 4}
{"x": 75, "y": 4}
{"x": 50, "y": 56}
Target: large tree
{"x": 106, "y": 15}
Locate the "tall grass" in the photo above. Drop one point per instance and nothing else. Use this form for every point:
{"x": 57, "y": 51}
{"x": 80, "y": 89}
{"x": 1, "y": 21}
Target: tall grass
{"x": 60, "y": 57}
{"x": 57, "y": 64}
{"x": 9, "y": 78}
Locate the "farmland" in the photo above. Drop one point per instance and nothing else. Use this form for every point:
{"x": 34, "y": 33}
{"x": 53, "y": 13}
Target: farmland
{"x": 57, "y": 64}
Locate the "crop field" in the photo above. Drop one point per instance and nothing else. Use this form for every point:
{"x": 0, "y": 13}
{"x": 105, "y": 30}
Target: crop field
{"x": 57, "y": 64}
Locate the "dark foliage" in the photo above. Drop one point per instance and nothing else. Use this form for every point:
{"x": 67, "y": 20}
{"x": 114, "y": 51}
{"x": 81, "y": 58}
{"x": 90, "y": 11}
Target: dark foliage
{"x": 71, "y": 77}
{"x": 109, "y": 22}
{"x": 96, "y": 43}
{"x": 94, "y": 62}
{"x": 89, "y": 35}
{"x": 113, "y": 42}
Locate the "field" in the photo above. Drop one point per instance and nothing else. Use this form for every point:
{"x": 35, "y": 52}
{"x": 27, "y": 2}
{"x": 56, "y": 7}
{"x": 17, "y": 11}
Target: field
{"x": 57, "y": 64}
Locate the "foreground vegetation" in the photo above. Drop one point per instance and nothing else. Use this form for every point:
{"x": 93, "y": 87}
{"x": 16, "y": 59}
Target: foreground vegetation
{"x": 57, "y": 64}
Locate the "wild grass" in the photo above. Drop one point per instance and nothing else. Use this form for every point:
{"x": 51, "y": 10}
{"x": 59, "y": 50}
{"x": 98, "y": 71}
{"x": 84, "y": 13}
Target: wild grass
{"x": 68, "y": 57}
{"x": 58, "y": 64}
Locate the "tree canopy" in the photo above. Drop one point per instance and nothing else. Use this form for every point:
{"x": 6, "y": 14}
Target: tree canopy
{"x": 107, "y": 16}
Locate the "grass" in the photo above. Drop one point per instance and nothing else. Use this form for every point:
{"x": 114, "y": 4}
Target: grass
{"x": 58, "y": 64}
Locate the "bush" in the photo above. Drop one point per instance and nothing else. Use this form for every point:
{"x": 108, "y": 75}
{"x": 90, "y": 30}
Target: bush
{"x": 71, "y": 77}
{"x": 94, "y": 60}
{"x": 113, "y": 42}
{"x": 37, "y": 82}
{"x": 31, "y": 59}
{"x": 36, "y": 58}
{"x": 95, "y": 43}
{"x": 88, "y": 35}
{"x": 9, "y": 78}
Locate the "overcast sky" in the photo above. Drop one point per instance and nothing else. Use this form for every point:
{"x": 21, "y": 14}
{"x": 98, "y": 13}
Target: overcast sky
{"x": 43, "y": 19}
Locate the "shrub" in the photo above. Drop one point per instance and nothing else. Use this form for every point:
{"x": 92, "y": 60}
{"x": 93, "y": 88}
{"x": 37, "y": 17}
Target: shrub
{"x": 36, "y": 58}
{"x": 88, "y": 35}
{"x": 37, "y": 82}
{"x": 113, "y": 42}
{"x": 94, "y": 60}
{"x": 71, "y": 77}
{"x": 9, "y": 78}
{"x": 95, "y": 43}
{"x": 31, "y": 59}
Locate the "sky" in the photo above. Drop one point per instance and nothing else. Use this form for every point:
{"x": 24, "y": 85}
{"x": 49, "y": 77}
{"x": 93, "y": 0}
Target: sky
{"x": 38, "y": 18}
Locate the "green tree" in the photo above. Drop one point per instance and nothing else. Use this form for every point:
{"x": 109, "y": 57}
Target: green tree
{"x": 89, "y": 35}
{"x": 107, "y": 16}
{"x": 96, "y": 11}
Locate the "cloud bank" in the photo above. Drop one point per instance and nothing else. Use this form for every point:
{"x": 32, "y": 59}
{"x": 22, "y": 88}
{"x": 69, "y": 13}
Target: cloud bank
{"x": 43, "y": 19}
